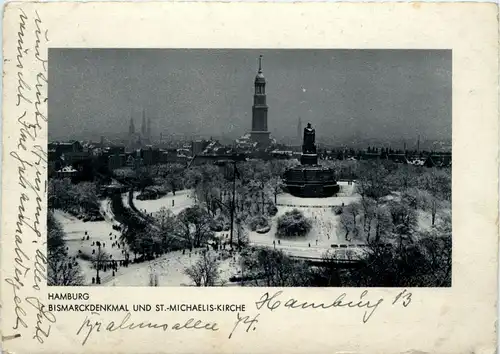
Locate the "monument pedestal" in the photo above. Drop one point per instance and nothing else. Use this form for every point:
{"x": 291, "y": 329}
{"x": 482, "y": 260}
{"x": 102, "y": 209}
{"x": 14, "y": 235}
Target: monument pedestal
{"x": 309, "y": 159}
{"x": 309, "y": 180}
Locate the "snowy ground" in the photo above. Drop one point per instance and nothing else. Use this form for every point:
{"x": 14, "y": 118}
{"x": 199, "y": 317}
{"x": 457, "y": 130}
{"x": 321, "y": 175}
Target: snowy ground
{"x": 182, "y": 200}
{"x": 170, "y": 270}
{"x": 324, "y": 234}
{"x": 324, "y": 231}
{"x": 102, "y": 231}
{"x": 170, "y": 267}
{"x": 346, "y": 195}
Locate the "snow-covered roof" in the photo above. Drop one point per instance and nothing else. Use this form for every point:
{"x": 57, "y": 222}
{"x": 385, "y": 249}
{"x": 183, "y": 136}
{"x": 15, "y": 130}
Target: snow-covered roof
{"x": 67, "y": 169}
{"x": 115, "y": 184}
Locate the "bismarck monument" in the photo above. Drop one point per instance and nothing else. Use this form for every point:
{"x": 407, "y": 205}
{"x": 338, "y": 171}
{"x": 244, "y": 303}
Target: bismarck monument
{"x": 310, "y": 180}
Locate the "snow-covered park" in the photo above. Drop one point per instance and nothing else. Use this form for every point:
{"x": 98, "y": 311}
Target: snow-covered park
{"x": 169, "y": 270}
{"x": 76, "y": 232}
{"x": 324, "y": 232}
{"x": 176, "y": 203}
{"x": 170, "y": 267}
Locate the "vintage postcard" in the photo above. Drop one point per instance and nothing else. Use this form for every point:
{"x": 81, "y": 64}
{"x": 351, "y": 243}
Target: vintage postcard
{"x": 249, "y": 178}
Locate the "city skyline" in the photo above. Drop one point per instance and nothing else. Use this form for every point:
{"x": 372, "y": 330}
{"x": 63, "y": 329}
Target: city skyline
{"x": 351, "y": 95}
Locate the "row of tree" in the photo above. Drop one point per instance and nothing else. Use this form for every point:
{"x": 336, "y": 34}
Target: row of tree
{"x": 391, "y": 200}
{"x": 62, "y": 269}
{"x": 80, "y": 199}
{"x": 427, "y": 263}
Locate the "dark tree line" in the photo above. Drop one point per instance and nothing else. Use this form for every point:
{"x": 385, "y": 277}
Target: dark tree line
{"x": 62, "y": 269}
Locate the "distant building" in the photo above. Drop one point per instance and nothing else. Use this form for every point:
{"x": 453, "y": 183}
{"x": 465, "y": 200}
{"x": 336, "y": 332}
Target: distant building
{"x": 282, "y": 154}
{"x": 174, "y": 156}
{"x": 198, "y": 146}
{"x": 71, "y": 153}
{"x": 147, "y": 155}
{"x": 397, "y": 158}
{"x": 130, "y": 161}
{"x": 114, "y": 162}
{"x": 66, "y": 172}
{"x": 60, "y": 148}
{"x": 114, "y": 187}
{"x": 438, "y": 160}
{"x": 245, "y": 143}
{"x": 114, "y": 150}
{"x": 217, "y": 159}
{"x": 371, "y": 156}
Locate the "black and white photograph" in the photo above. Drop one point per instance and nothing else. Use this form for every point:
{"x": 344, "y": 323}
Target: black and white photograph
{"x": 249, "y": 167}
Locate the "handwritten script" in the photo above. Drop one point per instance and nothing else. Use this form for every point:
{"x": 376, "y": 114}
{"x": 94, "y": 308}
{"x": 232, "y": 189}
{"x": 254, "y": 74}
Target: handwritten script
{"x": 93, "y": 324}
{"x": 28, "y": 158}
{"x": 274, "y": 301}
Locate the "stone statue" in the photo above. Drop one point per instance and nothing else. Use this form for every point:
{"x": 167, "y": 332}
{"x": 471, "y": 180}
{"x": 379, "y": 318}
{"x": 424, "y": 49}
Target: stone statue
{"x": 308, "y": 146}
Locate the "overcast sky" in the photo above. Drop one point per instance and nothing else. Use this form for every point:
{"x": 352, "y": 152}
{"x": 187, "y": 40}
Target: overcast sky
{"x": 345, "y": 94}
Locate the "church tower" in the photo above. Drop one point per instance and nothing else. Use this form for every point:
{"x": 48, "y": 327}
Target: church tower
{"x": 148, "y": 130}
{"x": 259, "y": 132}
{"x": 143, "y": 127}
{"x": 131, "y": 134}
{"x": 131, "y": 128}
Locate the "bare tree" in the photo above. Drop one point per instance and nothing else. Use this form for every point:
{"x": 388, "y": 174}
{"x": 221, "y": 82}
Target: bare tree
{"x": 348, "y": 220}
{"x": 438, "y": 184}
{"x": 383, "y": 222}
{"x": 330, "y": 270}
{"x": 274, "y": 268}
{"x": 100, "y": 258}
{"x": 194, "y": 226}
{"x": 205, "y": 271}
{"x": 276, "y": 184}
{"x": 372, "y": 182}
{"x": 368, "y": 208}
{"x": 404, "y": 219}
{"x": 62, "y": 272}
{"x": 167, "y": 224}
{"x": 241, "y": 234}
{"x": 153, "y": 277}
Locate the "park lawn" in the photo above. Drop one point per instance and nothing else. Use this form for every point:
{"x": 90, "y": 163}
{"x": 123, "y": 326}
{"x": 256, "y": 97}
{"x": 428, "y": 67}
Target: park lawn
{"x": 182, "y": 200}
{"x": 170, "y": 270}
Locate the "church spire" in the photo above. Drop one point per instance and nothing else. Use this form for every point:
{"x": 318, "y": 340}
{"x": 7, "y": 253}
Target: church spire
{"x": 143, "y": 127}
{"x": 148, "y": 130}
{"x": 260, "y": 81}
{"x": 131, "y": 127}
